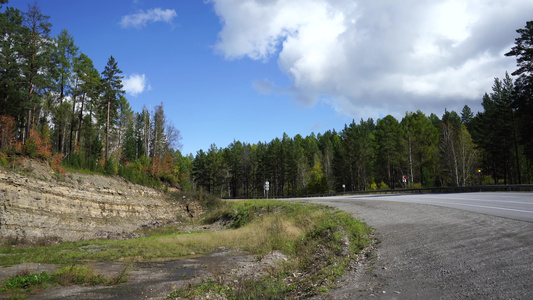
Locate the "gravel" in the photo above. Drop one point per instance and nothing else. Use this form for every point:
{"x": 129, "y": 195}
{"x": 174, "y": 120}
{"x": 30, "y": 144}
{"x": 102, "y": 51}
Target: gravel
{"x": 430, "y": 252}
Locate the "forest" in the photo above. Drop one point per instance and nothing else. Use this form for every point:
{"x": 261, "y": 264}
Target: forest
{"x": 55, "y": 105}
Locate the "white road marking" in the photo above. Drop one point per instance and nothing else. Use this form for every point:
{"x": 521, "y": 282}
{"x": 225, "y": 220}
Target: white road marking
{"x": 482, "y": 206}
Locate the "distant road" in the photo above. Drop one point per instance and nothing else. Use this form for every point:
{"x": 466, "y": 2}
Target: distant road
{"x": 513, "y": 205}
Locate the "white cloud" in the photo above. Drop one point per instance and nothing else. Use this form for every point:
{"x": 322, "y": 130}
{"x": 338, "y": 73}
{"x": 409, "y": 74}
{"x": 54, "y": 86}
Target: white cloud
{"x": 140, "y": 19}
{"x": 377, "y": 57}
{"x": 135, "y": 84}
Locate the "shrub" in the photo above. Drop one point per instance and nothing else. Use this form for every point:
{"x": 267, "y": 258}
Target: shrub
{"x": 55, "y": 164}
{"x": 3, "y": 160}
{"x": 7, "y": 131}
{"x": 416, "y": 185}
{"x": 372, "y": 186}
{"x": 383, "y": 186}
{"x": 110, "y": 166}
{"x": 487, "y": 180}
{"x": 36, "y": 147}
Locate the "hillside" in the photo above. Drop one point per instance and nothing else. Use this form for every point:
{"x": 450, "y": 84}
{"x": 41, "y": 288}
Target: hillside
{"x": 39, "y": 206}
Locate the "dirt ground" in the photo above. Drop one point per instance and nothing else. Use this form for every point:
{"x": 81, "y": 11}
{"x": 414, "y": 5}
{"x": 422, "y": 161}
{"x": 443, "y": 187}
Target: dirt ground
{"x": 155, "y": 280}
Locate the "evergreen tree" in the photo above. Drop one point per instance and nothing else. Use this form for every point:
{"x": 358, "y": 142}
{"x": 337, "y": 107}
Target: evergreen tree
{"x": 11, "y": 46}
{"x": 389, "y": 150}
{"x": 523, "y": 102}
{"x": 496, "y": 132}
{"x": 159, "y": 141}
{"x": 112, "y": 90}
{"x": 63, "y": 59}
{"x": 36, "y": 61}
{"x": 87, "y": 90}
{"x": 129, "y": 151}
{"x": 466, "y": 116}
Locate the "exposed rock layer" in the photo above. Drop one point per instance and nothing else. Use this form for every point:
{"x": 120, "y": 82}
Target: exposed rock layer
{"x": 80, "y": 206}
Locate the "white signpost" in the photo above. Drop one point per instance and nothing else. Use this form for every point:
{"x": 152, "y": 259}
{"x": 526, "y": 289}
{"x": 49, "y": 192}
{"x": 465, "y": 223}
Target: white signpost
{"x": 267, "y": 187}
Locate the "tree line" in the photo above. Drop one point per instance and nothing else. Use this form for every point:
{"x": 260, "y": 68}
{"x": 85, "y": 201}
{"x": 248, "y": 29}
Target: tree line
{"x": 495, "y": 146}
{"x": 56, "y": 105}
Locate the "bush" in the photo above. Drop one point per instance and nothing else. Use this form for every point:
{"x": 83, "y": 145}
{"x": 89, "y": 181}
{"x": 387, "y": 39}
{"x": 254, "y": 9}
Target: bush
{"x": 372, "y": 186}
{"x": 3, "y": 160}
{"x": 55, "y": 164}
{"x": 487, "y": 180}
{"x": 383, "y": 186}
{"x": 74, "y": 160}
{"x": 36, "y": 147}
{"x": 110, "y": 166}
{"x": 416, "y": 185}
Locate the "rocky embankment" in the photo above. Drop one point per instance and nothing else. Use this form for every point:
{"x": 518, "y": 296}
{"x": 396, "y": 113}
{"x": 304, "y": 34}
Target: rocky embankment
{"x": 79, "y": 206}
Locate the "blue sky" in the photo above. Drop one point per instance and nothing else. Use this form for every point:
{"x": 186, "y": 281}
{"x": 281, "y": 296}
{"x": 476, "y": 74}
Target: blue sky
{"x": 251, "y": 70}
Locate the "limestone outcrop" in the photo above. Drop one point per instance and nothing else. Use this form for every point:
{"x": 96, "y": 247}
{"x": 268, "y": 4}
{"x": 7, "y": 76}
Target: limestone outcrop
{"x": 80, "y": 206}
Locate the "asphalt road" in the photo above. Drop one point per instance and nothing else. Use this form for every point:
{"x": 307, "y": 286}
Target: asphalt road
{"x": 442, "y": 246}
{"x": 513, "y": 205}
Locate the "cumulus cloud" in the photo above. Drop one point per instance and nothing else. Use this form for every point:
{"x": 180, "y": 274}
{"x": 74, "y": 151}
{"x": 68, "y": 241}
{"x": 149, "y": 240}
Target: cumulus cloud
{"x": 135, "y": 84}
{"x": 371, "y": 58}
{"x": 141, "y": 18}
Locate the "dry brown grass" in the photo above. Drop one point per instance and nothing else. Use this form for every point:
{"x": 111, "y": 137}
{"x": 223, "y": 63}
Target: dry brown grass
{"x": 261, "y": 236}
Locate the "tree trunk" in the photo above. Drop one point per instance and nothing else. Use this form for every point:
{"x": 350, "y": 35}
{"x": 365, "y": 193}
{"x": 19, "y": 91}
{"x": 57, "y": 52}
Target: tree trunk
{"x": 107, "y": 131}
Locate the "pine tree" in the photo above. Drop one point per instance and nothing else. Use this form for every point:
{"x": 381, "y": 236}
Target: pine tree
{"x": 11, "y": 45}
{"x": 36, "y": 60}
{"x": 63, "y": 59}
{"x": 112, "y": 90}
{"x": 389, "y": 149}
{"x": 523, "y": 102}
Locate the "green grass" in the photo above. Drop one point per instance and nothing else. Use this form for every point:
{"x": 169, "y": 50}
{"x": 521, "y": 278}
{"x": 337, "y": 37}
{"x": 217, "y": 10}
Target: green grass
{"x": 20, "y": 286}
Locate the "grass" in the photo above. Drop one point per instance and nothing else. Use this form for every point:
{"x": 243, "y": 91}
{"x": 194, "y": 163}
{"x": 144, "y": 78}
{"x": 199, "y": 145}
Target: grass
{"x": 318, "y": 241}
{"x": 24, "y": 284}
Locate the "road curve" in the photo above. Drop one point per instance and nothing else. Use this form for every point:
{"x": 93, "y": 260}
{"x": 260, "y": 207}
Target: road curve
{"x": 430, "y": 251}
{"x": 513, "y": 205}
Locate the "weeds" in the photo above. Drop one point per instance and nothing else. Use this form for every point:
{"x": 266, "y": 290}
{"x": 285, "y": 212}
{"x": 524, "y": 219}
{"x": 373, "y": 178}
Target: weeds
{"x": 26, "y": 284}
{"x": 318, "y": 242}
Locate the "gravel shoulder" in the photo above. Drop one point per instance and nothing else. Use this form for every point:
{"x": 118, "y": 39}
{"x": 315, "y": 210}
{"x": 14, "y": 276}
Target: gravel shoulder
{"x": 430, "y": 252}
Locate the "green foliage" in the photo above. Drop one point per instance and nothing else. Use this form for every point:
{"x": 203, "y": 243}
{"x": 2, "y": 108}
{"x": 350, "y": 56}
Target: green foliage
{"x": 111, "y": 166}
{"x": 317, "y": 181}
{"x": 3, "y": 159}
{"x": 79, "y": 99}
{"x": 415, "y": 185}
{"x": 21, "y": 285}
{"x": 83, "y": 275}
{"x": 487, "y": 180}
{"x": 26, "y": 281}
{"x": 383, "y": 186}
{"x": 372, "y": 186}
{"x": 36, "y": 147}
{"x": 207, "y": 287}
